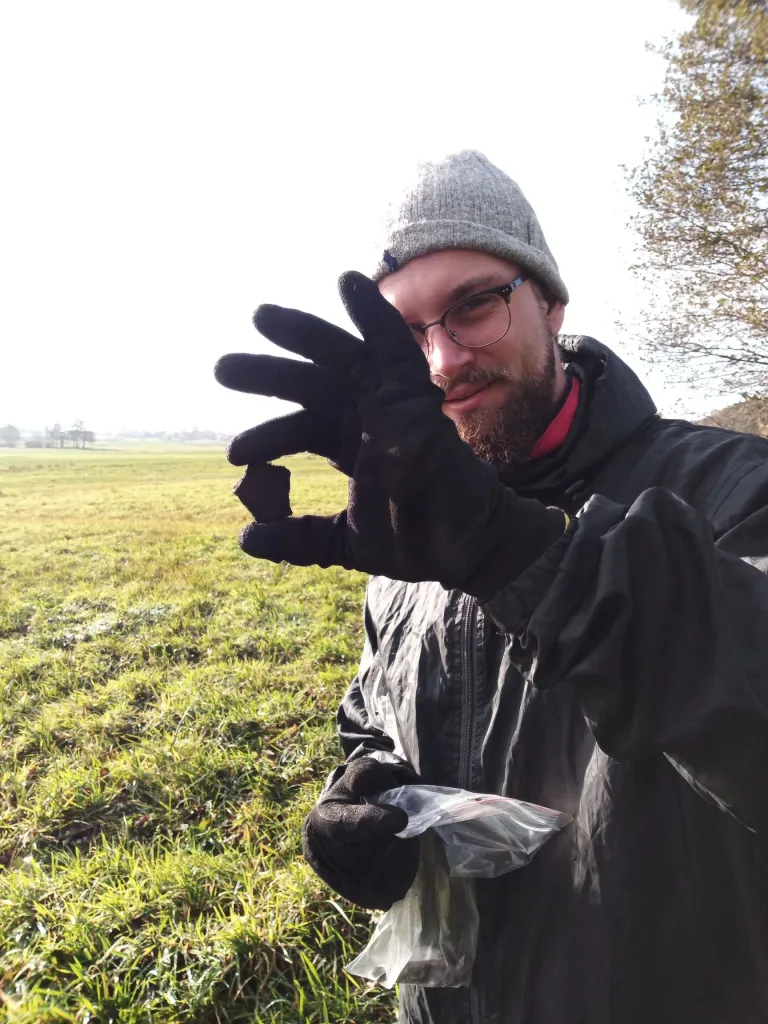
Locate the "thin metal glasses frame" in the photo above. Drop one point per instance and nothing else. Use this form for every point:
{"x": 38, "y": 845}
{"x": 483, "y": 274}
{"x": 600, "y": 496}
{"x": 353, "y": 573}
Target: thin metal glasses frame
{"x": 504, "y": 290}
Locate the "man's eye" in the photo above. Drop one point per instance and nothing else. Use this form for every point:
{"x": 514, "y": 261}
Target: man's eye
{"x": 474, "y": 304}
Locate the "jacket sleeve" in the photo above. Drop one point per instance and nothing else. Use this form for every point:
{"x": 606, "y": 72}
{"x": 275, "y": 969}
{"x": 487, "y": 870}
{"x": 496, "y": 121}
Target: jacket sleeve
{"x": 661, "y": 621}
{"x": 365, "y": 719}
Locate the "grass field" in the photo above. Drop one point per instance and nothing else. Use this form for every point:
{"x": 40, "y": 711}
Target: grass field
{"x": 166, "y": 707}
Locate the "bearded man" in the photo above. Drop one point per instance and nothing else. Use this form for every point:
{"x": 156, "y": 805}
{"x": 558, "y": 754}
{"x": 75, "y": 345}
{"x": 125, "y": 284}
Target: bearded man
{"x": 568, "y": 605}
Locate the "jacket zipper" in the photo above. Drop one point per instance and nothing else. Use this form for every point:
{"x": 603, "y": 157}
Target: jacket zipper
{"x": 468, "y": 686}
{"x": 468, "y": 632}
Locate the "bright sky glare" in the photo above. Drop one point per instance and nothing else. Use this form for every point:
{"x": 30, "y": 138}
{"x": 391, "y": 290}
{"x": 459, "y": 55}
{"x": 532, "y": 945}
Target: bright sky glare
{"x": 168, "y": 166}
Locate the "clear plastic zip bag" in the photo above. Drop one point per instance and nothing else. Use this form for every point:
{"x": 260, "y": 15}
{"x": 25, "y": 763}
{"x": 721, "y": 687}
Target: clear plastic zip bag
{"x": 429, "y": 937}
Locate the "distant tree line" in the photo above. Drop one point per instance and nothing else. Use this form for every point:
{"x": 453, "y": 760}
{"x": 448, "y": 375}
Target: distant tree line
{"x": 175, "y": 435}
{"x": 78, "y": 437}
{"x": 53, "y": 437}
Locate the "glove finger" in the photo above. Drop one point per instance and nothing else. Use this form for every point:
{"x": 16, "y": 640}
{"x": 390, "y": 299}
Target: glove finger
{"x": 374, "y": 874}
{"x": 364, "y": 777}
{"x": 290, "y": 379}
{"x": 287, "y": 435}
{"x": 360, "y": 823}
{"x": 386, "y": 334}
{"x": 326, "y": 345}
{"x": 301, "y": 540}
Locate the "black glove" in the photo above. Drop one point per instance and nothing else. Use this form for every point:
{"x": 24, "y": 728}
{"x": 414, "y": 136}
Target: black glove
{"x": 353, "y": 845}
{"x": 421, "y": 505}
{"x": 328, "y": 424}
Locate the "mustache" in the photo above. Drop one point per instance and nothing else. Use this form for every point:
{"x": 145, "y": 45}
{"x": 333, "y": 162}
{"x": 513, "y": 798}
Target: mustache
{"x": 487, "y": 375}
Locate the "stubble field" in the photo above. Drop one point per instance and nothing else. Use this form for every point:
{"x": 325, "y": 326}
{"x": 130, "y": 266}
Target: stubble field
{"x": 166, "y": 708}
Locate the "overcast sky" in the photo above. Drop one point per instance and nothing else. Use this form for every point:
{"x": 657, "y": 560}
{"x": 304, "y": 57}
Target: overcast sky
{"x": 168, "y": 166}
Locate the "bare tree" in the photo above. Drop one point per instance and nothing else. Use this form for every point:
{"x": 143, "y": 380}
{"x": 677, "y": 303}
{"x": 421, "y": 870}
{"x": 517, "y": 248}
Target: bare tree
{"x": 76, "y": 433}
{"x": 54, "y": 436}
{"x": 9, "y": 435}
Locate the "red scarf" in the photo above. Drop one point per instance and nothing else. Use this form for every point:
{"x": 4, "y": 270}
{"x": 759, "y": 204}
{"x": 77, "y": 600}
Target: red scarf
{"x": 557, "y": 431}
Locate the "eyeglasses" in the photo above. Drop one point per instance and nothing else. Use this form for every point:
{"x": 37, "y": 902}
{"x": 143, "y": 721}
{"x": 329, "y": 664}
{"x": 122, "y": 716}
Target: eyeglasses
{"x": 477, "y": 321}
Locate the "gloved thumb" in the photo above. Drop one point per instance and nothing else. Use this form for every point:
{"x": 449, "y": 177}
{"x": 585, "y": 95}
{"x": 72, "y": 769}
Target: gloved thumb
{"x": 301, "y": 540}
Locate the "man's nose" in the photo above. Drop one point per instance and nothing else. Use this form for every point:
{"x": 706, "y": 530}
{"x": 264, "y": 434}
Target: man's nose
{"x": 445, "y": 357}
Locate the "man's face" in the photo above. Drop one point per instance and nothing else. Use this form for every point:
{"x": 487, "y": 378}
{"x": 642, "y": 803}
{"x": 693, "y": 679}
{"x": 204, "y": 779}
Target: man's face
{"x": 500, "y": 397}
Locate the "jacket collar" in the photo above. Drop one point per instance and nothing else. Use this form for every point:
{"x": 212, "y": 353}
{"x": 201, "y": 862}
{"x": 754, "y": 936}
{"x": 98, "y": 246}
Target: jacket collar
{"x": 613, "y": 405}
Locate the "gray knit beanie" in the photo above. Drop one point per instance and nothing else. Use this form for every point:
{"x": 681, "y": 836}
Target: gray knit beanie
{"x": 464, "y": 202}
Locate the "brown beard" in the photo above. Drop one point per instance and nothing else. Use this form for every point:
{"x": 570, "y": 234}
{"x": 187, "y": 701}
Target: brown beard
{"x": 505, "y": 437}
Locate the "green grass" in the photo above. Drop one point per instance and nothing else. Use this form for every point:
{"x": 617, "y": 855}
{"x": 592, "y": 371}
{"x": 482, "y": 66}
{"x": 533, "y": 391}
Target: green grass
{"x": 166, "y": 719}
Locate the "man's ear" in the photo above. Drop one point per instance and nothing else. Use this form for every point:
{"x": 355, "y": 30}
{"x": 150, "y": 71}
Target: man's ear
{"x": 555, "y": 316}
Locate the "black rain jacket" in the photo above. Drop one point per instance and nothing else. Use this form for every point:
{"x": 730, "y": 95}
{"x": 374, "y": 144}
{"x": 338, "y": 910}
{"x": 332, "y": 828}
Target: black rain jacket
{"x": 623, "y": 678}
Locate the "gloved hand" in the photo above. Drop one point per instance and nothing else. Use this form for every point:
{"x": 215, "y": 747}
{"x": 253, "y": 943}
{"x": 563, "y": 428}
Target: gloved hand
{"x": 353, "y": 846}
{"x": 328, "y": 425}
{"x": 421, "y": 505}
